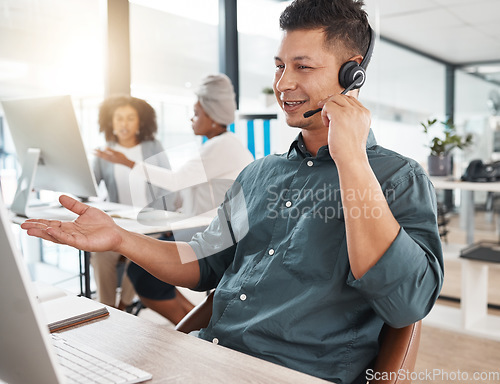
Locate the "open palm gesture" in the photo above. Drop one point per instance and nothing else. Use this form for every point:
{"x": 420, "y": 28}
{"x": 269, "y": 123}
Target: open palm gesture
{"x": 92, "y": 231}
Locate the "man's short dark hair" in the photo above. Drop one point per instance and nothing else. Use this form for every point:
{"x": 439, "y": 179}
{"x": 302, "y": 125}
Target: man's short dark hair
{"x": 343, "y": 21}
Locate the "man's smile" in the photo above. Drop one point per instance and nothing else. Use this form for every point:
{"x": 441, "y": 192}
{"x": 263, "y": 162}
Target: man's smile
{"x": 290, "y": 106}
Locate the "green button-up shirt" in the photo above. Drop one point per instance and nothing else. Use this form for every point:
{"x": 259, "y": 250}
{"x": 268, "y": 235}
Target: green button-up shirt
{"x": 278, "y": 256}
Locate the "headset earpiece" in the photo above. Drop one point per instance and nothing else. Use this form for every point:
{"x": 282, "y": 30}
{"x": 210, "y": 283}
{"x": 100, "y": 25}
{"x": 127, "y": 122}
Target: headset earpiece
{"x": 351, "y": 72}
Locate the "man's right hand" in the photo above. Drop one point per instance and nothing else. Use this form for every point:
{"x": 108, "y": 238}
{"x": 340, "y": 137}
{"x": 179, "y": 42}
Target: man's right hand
{"x": 92, "y": 231}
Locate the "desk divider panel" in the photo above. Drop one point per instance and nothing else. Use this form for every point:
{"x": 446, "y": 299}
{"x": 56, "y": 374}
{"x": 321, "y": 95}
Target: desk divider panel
{"x": 256, "y": 132}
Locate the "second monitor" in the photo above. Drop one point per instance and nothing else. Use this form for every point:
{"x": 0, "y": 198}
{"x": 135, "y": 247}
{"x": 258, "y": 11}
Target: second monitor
{"x": 50, "y": 148}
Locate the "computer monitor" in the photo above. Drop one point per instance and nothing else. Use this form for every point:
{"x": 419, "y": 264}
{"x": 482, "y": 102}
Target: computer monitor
{"x": 26, "y": 355}
{"x": 49, "y": 147}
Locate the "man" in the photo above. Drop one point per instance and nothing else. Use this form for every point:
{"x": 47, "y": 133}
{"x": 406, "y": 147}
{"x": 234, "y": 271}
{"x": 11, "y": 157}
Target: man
{"x": 313, "y": 250}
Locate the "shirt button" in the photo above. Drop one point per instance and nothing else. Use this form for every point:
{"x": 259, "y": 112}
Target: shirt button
{"x": 271, "y": 252}
{"x": 215, "y": 340}
{"x": 243, "y": 297}
{"x": 310, "y": 163}
{"x": 288, "y": 204}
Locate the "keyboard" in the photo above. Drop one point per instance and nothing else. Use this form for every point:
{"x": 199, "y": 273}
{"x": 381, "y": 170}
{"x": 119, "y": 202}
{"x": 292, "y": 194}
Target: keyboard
{"x": 85, "y": 365}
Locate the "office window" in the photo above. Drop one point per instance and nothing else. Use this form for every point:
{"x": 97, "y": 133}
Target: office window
{"x": 173, "y": 45}
{"x": 259, "y": 36}
{"x": 46, "y": 48}
{"x": 52, "y": 46}
{"x": 403, "y": 89}
{"x": 473, "y": 114}
{"x": 472, "y": 95}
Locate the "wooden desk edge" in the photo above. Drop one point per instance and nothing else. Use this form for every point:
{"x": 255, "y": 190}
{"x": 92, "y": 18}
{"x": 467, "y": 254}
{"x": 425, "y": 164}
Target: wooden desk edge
{"x": 171, "y": 356}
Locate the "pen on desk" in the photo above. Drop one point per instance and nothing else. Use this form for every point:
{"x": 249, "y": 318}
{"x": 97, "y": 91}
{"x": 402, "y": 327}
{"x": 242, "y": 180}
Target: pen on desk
{"x": 314, "y": 111}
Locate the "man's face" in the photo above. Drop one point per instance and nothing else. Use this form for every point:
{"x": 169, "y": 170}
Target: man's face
{"x": 306, "y": 72}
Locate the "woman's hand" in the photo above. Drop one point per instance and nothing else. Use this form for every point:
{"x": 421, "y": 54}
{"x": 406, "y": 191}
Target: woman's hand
{"x": 113, "y": 156}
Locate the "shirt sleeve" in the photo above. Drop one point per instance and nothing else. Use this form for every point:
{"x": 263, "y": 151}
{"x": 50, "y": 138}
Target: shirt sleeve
{"x": 216, "y": 246}
{"x": 404, "y": 284}
{"x": 214, "y": 249}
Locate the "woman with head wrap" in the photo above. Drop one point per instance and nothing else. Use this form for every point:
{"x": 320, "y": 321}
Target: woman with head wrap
{"x": 216, "y": 97}
{"x": 201, "y": 183}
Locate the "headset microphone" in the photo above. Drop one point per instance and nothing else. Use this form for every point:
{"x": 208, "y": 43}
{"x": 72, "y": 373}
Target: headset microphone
{"x": 352, "y": 75}
{"x": 350, "y": 87}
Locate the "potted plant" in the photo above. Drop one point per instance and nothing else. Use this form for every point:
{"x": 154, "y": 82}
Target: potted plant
{"x": 269, "y": 98}
{"x": 439, "y": 160}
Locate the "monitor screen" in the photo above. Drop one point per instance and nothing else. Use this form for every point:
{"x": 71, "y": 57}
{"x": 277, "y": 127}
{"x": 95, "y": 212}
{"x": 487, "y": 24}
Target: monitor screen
{"x": 49, "y": 146}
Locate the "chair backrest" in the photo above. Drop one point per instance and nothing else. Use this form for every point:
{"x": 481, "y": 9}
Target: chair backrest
{"x": 397, "y": 355}
{"x": 198, "y": 317}
{"x": 396, "y": 358}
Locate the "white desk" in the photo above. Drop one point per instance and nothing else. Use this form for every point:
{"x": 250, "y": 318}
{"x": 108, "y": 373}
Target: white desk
{"x": 446, "y": 183}
{"x": 472, "y": 316}
{"x": 467, "y": 189}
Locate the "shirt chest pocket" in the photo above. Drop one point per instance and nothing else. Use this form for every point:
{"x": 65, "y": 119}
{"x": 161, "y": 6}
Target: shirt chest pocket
{"x": 314, "y": 249}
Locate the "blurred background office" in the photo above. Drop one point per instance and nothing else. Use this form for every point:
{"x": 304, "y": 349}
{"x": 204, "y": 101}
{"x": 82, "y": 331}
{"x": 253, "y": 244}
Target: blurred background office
{"x": 433, "y": 59}
{"x": 68, "y": 47}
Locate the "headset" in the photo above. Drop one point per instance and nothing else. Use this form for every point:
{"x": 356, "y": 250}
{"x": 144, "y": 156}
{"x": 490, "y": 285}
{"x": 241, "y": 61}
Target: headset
{"x": 352, "y": 75}
{"x": 351, "y": 71}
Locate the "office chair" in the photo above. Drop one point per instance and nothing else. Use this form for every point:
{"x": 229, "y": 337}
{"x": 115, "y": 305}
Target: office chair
{"x": 198, "y": 317}
{"x": 398, "y": 346}
{"x": 398, "y": 353}
{"x": 443, "y": 221}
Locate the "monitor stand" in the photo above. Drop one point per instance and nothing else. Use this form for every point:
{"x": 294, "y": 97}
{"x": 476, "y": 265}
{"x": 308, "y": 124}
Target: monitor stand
{"x": 25, "y": 183}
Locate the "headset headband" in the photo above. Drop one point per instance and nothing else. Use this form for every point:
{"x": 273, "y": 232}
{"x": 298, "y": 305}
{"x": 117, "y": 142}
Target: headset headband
{"x": 369, "y": 51}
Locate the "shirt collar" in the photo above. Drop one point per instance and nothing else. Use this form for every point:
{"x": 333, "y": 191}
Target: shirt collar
{"x": 300, "y": 148}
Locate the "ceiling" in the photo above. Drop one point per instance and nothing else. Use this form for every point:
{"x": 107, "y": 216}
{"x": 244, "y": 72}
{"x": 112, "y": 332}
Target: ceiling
{"x": 459, "y": 32}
